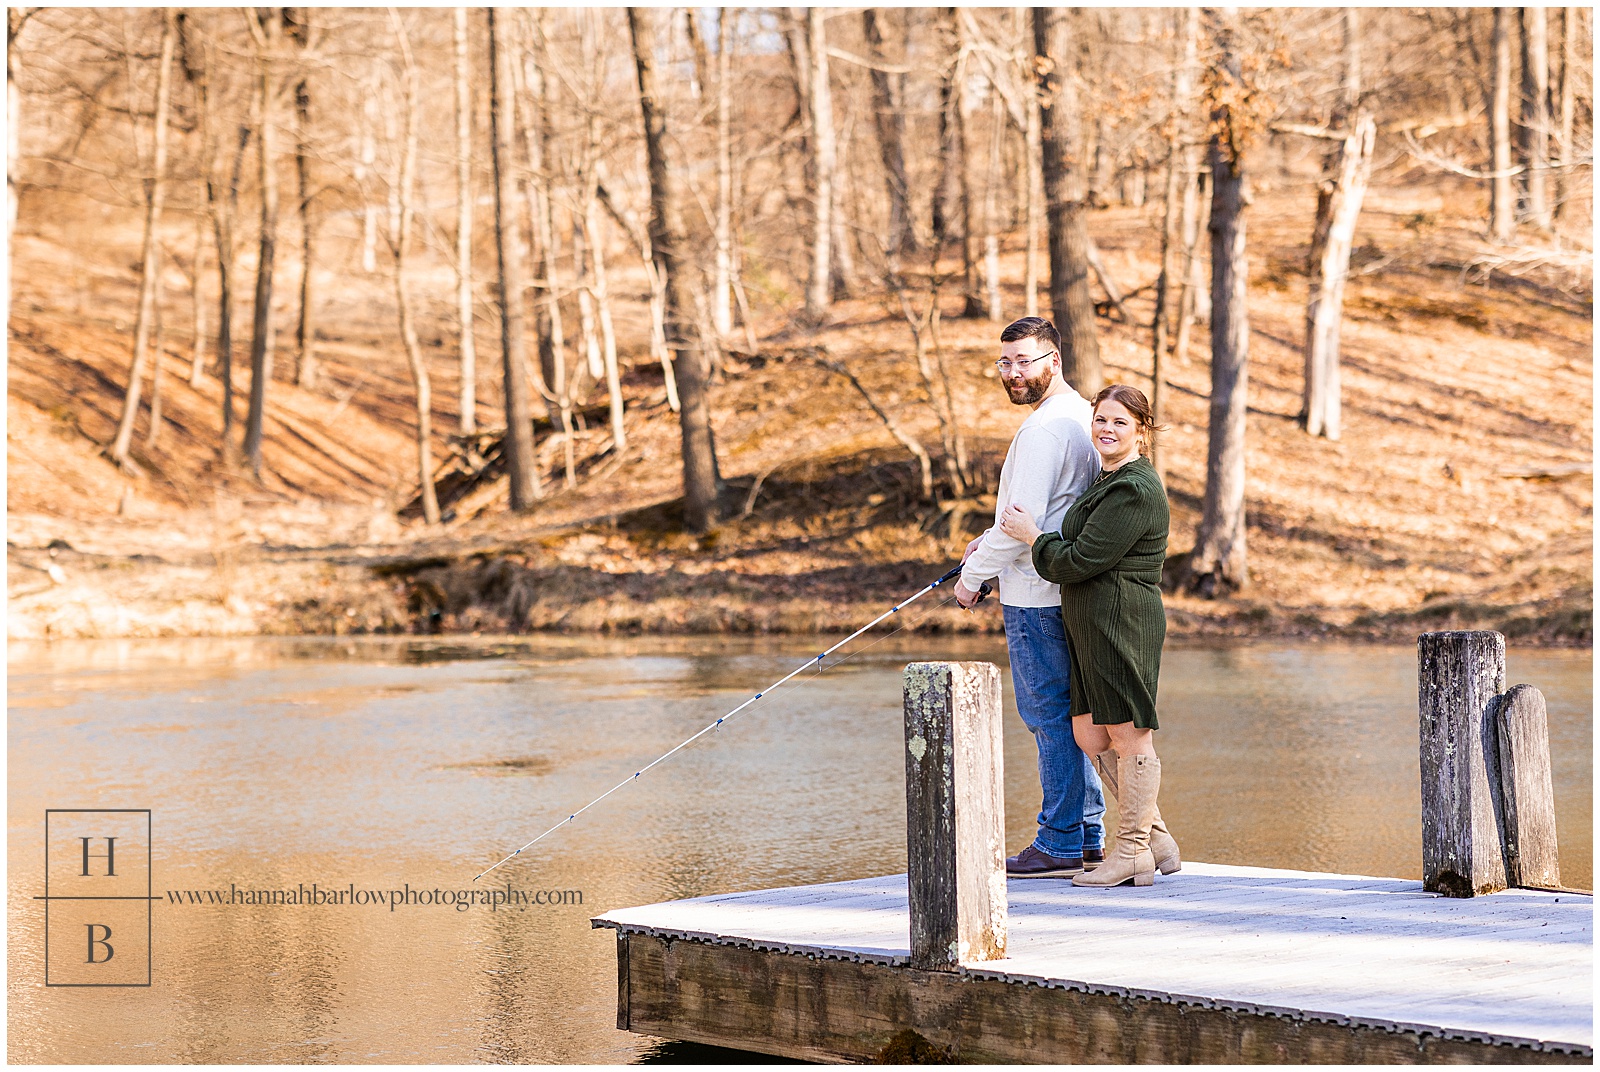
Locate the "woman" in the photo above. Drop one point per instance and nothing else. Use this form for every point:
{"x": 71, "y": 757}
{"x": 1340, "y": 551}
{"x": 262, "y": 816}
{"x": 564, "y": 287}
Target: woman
{"x": 1107, "y": 559}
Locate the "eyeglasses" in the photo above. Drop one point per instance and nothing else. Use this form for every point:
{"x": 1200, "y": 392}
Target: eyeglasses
{"x": 1022, "y": 364}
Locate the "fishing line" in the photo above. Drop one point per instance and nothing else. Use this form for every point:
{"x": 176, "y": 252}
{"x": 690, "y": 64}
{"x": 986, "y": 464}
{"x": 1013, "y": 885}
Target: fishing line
{"x": 841, "y": 660}
{"x": 816, "y": 662}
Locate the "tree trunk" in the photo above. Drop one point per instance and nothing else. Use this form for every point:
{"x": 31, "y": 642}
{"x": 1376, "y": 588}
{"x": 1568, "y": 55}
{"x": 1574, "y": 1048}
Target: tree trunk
{"x": 658, "y": 292}
{"x": 400, "y": 245}
{"x": 1217, "y": 565}
{"x": 197, "y": 364}
{"x": 1071, "y": 304}
{"x": 666, "y": 241}
{"x": 369, "y": 151}
{"x": 518, "y": 449}
{"x": 157, "y": 344}
{"x": 608, "y": 337}
{"x": 843, "y": 273}
{"x": 889, "y": 118}
{"x": 1569, "y": 63}
{"x": 535, "y": 133}
{"x": 588, "y": 329}
{"x": 225, "y": 214}
{"x": 14, "y": 20}
{"x": 722, "y": 287}
{"x": 1502, "y": 200}
{"x": 974, "y": 303}
{"x": 1194, "y": 302}
{"x": 1534, "y": 132}
{"x": 991, "y": 212}
{"x": 819, "y": 290}
{"x": 155, "y": 192}
{"x": 952, "y": 206}
{"x": 1324, "y": 309}
{"x": 268, "y": 33}
{"x": 1346, "y": 169}
{"x": 1033, "y": 152}
{"x": 468, "y": 422}
{"x": 1177, "y": 172}
{"x": 306, "y": 331}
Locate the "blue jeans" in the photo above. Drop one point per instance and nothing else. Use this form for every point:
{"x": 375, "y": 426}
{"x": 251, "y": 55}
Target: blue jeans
{"x": 1073, "y": 805}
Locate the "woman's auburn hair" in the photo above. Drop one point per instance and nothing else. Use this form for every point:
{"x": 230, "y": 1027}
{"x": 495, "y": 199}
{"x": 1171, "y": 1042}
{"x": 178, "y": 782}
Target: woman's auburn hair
{"x": 1133, "y": 400}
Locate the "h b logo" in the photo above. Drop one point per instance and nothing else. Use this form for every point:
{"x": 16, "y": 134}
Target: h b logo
{"x": 97, "y": 897}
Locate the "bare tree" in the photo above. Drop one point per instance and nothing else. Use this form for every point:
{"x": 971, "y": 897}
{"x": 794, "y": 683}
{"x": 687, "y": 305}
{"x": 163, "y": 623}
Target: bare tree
{"x": 518, "y": 444}
{"x": 1502, "y": 202}
{"x": 267, "y": 32}
{"x": 1033, "y": 156}
{"x": 888, "y": 115}
{"x": 1568, "y": 107}
{"x": 722, "y": 286}
{"x": 1533, "y": 139}
{"x": 597, "y": 287}
{"x": 157, "y": 345}
{"x": 222, "y": 206}
{"x": 1217, "y": 564}
{"x": 197, "y": 364}
{"x": 539, "y": 187}
{"x": 608, "y": 337}
{"x": 16, "y": 18}
{"x": 1194, "y": 301}
{"x": 991, "y": 210}
{"x": 819, "y": 110}
{"x": 468, "y": 422}
{"x": 1071, "y": 305}
{"x": 399, "y": 246}
{"x": 305, "y": 335}
{"x": 363, "y": 172}
{"x": 666, "y": 241}
{"x": 1346, "y": 170}
{"x": 952, "y": 199}
{"x": 155, "y": 191}
{"x": 1180, "y": 166}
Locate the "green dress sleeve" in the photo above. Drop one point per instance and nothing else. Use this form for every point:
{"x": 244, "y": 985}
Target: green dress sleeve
{"x": 1115, "y": 524}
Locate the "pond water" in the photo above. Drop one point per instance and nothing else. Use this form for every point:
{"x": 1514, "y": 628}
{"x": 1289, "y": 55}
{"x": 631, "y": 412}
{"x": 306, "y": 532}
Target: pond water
{"x": 379, "y": 765}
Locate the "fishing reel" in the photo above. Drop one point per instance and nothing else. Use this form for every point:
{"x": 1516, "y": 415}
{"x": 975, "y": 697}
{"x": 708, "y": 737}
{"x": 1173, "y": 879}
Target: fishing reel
{"x": 985, "y": 590}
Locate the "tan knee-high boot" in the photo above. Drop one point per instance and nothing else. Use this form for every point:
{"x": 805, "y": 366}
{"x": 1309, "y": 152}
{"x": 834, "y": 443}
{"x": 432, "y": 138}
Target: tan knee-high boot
{"x": 1162, "y": 845}
{"x": 1139, "y": 780}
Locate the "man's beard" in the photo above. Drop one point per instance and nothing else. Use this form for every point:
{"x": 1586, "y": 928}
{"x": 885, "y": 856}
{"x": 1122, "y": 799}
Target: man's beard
{"x": 1028, "y": 392}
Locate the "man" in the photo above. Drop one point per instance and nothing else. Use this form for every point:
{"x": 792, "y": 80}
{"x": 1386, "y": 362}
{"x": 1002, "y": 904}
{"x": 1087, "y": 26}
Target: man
{"x": 1051, "y": 462}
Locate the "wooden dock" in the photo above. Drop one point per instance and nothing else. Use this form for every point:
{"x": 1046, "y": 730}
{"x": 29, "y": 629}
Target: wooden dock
{"x": 1214, "y": 964}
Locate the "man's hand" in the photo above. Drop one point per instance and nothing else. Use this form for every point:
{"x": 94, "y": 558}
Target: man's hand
{"x": 965, "y": 596}
{"x": 971, "y": 547}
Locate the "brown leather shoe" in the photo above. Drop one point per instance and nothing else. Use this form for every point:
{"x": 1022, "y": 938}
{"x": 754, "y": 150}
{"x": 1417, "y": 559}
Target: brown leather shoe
{"x": 1093, "y": 858}
{"x": 1032, "y": 862}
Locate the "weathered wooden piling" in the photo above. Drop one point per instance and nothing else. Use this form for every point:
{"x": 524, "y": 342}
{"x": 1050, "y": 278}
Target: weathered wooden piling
{"x": 1460, "y": 676}
{"x": 1488, "y": 802}
{"x": 955, "y": 814}
{"x": 1526, "y": 789}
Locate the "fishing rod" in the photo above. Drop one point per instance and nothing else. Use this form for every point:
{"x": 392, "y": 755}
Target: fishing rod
{"x": 983, "y": 591}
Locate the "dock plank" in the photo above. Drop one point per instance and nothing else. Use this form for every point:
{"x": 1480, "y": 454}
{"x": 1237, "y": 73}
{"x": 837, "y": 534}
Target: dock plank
{"x": 1515, "y": 968}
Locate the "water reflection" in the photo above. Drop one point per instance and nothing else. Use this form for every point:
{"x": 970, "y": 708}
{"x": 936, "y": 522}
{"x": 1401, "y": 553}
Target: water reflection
{"x": 382, "y": 764}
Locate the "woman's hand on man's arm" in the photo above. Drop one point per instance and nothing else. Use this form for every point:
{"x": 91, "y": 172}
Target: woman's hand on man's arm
{"x": 1017, "y": 523}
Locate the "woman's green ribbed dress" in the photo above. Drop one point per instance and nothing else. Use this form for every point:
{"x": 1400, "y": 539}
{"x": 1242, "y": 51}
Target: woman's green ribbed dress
{"x": 1107, "y": 560}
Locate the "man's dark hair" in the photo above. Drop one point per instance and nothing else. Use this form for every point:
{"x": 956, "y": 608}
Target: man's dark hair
{"x": 1032, "y": 327}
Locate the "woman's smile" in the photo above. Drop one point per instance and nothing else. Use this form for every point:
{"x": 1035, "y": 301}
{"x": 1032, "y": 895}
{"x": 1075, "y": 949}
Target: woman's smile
{"x": 1116, "y": 433}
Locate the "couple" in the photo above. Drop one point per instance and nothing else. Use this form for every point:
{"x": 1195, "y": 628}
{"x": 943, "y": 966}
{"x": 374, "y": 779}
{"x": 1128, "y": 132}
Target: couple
{"x": 1083, "y": 615}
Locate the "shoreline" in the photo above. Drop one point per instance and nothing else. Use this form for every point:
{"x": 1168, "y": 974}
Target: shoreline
{"x": 320, "y": 595}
